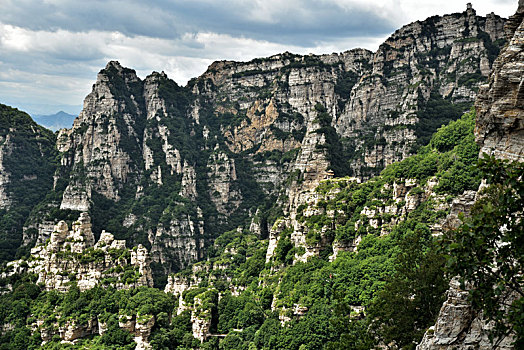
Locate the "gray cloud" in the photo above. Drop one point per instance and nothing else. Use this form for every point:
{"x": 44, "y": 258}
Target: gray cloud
{"x": 51, "y": 51}
{"x": 299, "y": 23}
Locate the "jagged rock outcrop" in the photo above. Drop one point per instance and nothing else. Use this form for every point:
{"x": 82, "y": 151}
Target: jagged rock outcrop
{"x": 403, "y": 197}
{"x": 222, "y": 174}
{"x": 72, "y": 331}
{"x": 98, "y": 147}
{"x": 124, "y": 147}
{"x": 5, "y": 150}
{"x": 500, "y": 103}
{"x": 419, "y": 62}
{"x": 177, "y": 165}
{"x": 72, "y": 255}
{"x": 459, "y": 327}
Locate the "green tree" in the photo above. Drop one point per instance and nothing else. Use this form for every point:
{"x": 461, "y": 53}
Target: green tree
{"x": 411, "y": 299}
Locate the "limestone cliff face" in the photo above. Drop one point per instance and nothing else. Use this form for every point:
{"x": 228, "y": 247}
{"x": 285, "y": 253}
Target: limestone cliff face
{"x": 128, "y": 148}
{"x": 269, "y": 105}
{"x": 5, "y": 151}
{"x": 377, "y": 103}
{"x": 500, "y": 103}
{"x": 99, "y": 146}
{"x": 499, "y": 132}
{"x": 72, "y": 255}
{"x": 170, "y": 167}
{"x": 446, "y": 57}
{"x": 459, "y": 327}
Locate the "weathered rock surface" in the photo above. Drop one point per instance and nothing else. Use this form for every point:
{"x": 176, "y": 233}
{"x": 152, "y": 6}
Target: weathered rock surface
{"x": 459, "y": 327}
{"x": 5, "y": 146}
{"x": 95, "y": 146}
{"x": 419, "y": 60}
{"x": 500, "y": 132}
{"x": 72, "y": 255}
{"x": 243, "y": 131}
{"x": 500, "y": 104}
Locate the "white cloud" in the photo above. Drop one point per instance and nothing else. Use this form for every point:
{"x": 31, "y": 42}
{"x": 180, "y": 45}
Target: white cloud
{"x": 54, "y": 58}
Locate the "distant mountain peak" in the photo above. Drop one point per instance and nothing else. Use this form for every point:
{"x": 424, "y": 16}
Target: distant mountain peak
{"x": 55, "y": 121}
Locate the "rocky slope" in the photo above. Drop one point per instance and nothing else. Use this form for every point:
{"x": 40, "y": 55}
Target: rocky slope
{"x": 71, "y": 259}
{"x": 72, "y": 256}
{"x": 339, "y": 215}
{"x": 500, "y": 104}
{"x": 263, "y": 168}
{"x": 499, "y": 132}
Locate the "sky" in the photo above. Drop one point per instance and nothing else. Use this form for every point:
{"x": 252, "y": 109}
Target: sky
{"x": 52, "y": 50}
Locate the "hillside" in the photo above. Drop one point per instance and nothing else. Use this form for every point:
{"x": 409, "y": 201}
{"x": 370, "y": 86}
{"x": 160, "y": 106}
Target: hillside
{"x": 289, "y": 202}
{"x": 361, "y": 232}
{"x": 27, "y": 165}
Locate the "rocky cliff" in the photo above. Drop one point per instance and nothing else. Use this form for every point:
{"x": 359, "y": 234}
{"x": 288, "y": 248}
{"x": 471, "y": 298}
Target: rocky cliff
{"x": 71, "y": 256}
{"x": 265, "y": 169}
{"x": 169, "y": 167}
{"x": 500, "y": 103}
{"x": 500, "y": 132}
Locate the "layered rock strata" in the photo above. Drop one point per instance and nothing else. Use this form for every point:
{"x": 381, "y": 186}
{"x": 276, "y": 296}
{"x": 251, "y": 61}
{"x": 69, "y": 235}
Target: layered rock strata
{"x": 180, "y": 164}
{"x": 500, "y": 103}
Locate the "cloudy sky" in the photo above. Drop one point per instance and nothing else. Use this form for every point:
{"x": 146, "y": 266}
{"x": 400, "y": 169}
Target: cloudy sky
{"x": 51, "y": 50}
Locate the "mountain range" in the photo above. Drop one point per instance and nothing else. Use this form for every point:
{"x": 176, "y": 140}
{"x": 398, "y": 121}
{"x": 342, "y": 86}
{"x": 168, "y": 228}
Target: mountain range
{"x": 280, "y": 203}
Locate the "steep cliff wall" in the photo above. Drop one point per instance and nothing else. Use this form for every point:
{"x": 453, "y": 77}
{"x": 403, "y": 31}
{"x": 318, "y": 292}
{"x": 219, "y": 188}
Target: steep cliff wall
{"x": 499, "y": 132}
{"x": 390, "y": 109}
{"x": 500, "y": 103}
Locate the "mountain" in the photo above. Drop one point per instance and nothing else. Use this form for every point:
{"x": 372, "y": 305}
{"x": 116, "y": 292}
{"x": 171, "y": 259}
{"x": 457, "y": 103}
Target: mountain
{"x": 281, "y": 203}
{"x": 170, "y": 167}
{"x": 55, "y": 121}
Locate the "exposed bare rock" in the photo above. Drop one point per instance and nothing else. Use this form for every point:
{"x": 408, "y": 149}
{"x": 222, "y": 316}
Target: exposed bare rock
{"x": 143, "y": 326}
{"x": 179, "y": 243}
{"x": 200, "y": 320}
{"x": 72, "y": 331}
{"x": 188, "y": 189}
{"x": 5, "y": 146}
{"x": 93, "y": 147}
{"x": 140, "y": 259}
{"x": 221, "y": 176}
{"x": 500, "y": 132}
{"x": 71, "y": 255}
{"x": 259, "y": 123}
{"x": 389, "y": 96}
{"x": 461, "y": 205}
{"x": 500, "y": 104}
{"x": 459, "y": 327}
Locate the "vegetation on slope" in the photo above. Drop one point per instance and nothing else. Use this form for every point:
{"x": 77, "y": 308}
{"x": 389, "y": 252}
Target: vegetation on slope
{"x": 29, "y": 159}
{"x": 487, "y": 250}
{"x": 388, "y": 291}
